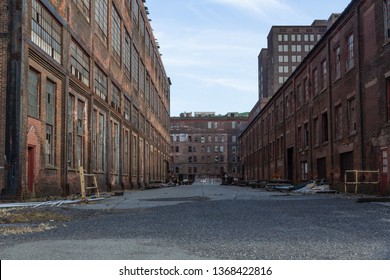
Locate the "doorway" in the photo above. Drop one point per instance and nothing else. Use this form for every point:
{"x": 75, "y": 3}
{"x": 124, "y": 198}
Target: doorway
{"x": 290, "y": 164}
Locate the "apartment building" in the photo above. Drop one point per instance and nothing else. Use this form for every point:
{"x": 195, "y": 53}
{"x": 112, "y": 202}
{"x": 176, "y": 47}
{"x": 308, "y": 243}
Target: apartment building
{"x": 204, "y": 145}
{"x": 332, "y": 114}
{"x": 83, "y": 84}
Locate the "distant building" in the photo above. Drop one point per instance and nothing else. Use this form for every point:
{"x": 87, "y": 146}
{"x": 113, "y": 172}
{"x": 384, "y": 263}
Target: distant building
{"x": 333, "y": 113}
{"x": 82, "y": 83}
{"x": 204, "y": 145}
{"x": 287, "y": 47}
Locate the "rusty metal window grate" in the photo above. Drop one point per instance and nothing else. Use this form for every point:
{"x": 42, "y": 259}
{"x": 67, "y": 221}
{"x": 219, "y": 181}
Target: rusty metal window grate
{"x": 46, "y": 32}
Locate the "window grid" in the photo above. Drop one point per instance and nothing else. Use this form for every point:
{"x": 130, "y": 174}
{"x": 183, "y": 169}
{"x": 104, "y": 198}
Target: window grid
{"x": 127, "y": 55}
{"x": 101, "y": 14}
{"x": 84, "y": 7}
{"x": 350, "y": 63}
{"x": 134, "y": 68}
{"x": 116, "y": 35}
{"x": 101, "y": 84}
{"x": 116, "y": 98}
{"x": 46, "y": 32}
{"x": 79, "y": 63}
{"x": 337, "y": 65}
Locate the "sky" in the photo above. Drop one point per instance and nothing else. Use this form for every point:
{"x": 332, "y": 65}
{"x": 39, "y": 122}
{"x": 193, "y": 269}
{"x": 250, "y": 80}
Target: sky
{"x": 210, "y": 48}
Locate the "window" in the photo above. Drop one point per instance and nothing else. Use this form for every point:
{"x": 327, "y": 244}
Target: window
{"x": 325, "y": 131}
{"x": 101, "y": 84}
{"x": 300, "y": 144}
{"x": 127, "y": 109}
{"x": 126, "y": 154}
{"x": 324, "y": 74}
{"x": 351, "y": 112}
{"x": 299, "y": 95}
{"x": 315, "y": 82}
{"x": 101, "y": 14}
{"x": 116, "y": 98}
{"x": 304, "y": 170}
{"x": 134, "y": 155}
{"x": 76, "y": 131}
{"x": 234, "y": 138}
{"x": 337, "y": 63}
{"x": 84, "y": 7}
{"x": 306, "y": 135}
{"x": 350, "y": 62}
{"x": 50, "y": 122}
{"x": 316, "y": 132}
{"x": 33, "y": 94}
{"x": 98, "y": 140}
{"x": 134, "y": 117}
{"x": 115, "y": 35}
{"x": 127, "y": 55}
{"x": 79, "y": 63}
{"x": 115, "y": 147}
{"x": 306, "y": 90}
{"x": 339, "y": 121}
{"x": 135, "y": 7}
{"x": 46, "y": 32}
{"x": 142, "y": 78}
{"x": 134, "y": 68}
{"x": 386, "y": 6}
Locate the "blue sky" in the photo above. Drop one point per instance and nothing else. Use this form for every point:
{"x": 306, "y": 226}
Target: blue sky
{"x": 209, "y": 47}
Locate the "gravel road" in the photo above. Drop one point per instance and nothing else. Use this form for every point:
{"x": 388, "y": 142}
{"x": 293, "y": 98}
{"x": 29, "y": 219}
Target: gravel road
{"x": 211, "y": 222}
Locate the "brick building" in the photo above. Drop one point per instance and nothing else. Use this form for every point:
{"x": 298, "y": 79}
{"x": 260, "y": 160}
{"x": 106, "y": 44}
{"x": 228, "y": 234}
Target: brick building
{"x": 204, "y": 145}
{"x": 82, "y": 83}
{"x": 333, "y": 113}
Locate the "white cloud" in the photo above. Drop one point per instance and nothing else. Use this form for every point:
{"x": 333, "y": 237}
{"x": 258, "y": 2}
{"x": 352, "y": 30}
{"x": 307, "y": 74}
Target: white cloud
{"x": 259, "y": 7}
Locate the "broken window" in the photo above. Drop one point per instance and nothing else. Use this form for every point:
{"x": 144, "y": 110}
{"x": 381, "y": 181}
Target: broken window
{"x": 46, "y": 32}
{"x": 50, "y": 122}
{"x": 84, "y": 7}
{"x": 79, "y": 63}
{"x": 101, "y": 84}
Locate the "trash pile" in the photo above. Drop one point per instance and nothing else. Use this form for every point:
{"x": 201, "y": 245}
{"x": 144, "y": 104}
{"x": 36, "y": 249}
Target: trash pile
{"x": 314, "y": 187}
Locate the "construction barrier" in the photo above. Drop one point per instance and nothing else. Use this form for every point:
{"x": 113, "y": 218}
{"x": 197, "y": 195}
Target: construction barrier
{"x": 358, "y": 177}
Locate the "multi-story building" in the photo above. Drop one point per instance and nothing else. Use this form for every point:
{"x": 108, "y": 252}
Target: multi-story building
{"x": 287, "y": 47}
{"x": 204, "y": 145}
{"x": 82, "y": 84}
{"x": 333, "y": 113}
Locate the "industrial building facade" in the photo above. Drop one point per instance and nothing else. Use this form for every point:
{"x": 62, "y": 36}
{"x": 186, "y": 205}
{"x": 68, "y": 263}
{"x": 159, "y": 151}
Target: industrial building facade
{"x": 204, "y": 145}
{"x": 82, "y": 84}
{"x": 333, "y": 113}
